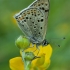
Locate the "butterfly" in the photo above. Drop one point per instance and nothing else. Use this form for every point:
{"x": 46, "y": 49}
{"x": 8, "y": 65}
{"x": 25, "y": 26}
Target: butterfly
{"x": 33, "y": 21}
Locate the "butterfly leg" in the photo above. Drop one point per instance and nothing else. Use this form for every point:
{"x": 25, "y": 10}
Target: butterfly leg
{"x": 37, "y": 50}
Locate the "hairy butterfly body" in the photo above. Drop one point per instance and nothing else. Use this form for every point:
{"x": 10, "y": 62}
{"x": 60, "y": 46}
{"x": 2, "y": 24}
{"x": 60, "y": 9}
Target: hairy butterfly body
{"x": 33, "y": 21}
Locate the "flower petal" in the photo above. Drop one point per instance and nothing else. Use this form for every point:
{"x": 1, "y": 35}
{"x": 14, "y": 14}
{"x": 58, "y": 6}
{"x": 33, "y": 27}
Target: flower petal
{"x": 44, "y": 61}
{"x": 33, "y": 49}
{"x": 16, "y": 63}
{"x": 47, "y": 50}
{"x": 41, "y": 63}
{"x": 45, "y": 65}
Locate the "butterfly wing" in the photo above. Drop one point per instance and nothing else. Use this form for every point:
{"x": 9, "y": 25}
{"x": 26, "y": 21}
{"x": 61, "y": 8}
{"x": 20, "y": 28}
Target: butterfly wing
{"x": 22, "y": 23}
{"x": 30, "y": 22}
{"x": 43, "y": 6}
{"x": 33, "y": 20}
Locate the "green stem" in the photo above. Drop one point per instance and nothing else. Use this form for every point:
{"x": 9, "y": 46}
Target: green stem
{"x": 27, "y": 65}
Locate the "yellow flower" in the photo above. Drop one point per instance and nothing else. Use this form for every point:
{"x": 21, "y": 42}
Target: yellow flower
{"x": 41, "y": 63}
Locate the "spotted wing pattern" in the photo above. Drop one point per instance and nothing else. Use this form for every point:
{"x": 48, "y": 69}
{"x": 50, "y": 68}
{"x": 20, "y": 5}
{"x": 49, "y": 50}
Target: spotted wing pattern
{"x": 33, "y": 20}
{"x": 43, "y": 5}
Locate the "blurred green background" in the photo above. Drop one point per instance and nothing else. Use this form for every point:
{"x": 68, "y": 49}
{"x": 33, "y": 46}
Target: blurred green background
{"x": 58, "y": 27}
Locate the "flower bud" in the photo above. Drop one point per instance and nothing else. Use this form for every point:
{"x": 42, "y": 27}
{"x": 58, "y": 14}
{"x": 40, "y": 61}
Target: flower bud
{"x": 22, "y": 42}
{"x": 29, "y": 56}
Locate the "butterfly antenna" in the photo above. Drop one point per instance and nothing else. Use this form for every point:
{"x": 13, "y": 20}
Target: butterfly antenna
{"x": 63, "y": 39}
{"x": 56, "y": 39}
